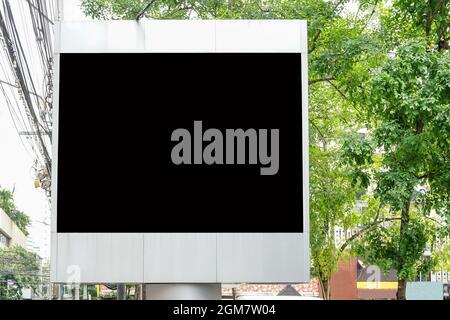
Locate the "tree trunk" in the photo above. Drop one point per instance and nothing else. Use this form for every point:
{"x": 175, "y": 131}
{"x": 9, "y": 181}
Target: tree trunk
{"x": 324, "y": 288}
{"x": 401, "y": 291}
{"x": 327, "y": 290}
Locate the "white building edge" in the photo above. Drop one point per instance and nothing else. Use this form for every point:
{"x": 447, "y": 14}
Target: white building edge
{"x": 10, "y": 234}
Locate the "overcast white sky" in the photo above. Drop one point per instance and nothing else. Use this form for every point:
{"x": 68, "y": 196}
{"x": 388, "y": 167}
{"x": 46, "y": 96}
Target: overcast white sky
{"x": 72, "y": 10}
{"x": 16, "y": 162}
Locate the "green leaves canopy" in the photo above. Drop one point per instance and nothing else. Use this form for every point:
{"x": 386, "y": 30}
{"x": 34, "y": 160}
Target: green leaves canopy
{"x": 18, "y": 269}
{"x": 18, "y": 217}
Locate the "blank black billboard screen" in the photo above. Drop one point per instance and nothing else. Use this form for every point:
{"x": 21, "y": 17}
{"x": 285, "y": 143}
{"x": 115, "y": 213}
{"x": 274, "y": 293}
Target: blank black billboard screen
{"x": 180, "y": 142}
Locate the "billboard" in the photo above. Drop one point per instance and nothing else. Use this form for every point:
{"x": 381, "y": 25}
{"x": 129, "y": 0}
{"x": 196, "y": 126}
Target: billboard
{"x": 181, "y": 152}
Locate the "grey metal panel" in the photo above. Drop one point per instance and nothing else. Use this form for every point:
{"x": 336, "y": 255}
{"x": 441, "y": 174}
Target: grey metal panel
{"x": 53, "y": 256}
{"x": 182, "y": 36}
{"x": 180, "y": 257}
{"x": 55, "y": 138}
{"x": 55, "y": 117}
{"x": 99, "y": 257}
{"x": 259, "y": 35}
{"x": 100, "y": 36}
{"x": 306, "y": 259}
{"x": 261, "y": 257}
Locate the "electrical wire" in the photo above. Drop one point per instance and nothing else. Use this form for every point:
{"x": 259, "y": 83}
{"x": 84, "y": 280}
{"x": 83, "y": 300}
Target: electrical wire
{"x": 27, "y": 60}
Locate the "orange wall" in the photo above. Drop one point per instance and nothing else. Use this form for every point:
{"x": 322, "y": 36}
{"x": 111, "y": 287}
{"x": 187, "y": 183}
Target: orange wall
{"x": 343, "y": 281}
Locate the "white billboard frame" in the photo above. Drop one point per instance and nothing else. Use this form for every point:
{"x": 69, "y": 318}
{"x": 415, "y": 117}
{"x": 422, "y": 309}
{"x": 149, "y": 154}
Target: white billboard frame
{"x": 181, "y": 257}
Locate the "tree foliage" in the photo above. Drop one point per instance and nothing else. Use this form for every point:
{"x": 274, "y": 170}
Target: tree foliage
{"x": 18, "y": 270}
{"x": 18, "y": 217}
{"x": 407, "y": 101}
{"x": 409, "y": 105}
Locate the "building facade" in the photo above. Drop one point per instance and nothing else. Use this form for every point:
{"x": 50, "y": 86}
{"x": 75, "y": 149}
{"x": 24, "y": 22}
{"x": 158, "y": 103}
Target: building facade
{"x": 10, "y": 234}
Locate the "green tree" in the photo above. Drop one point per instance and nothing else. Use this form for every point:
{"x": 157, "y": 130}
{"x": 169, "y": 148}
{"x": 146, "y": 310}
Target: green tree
{"x": 407, "y": 100}
{"x": 365, "y": 72}
{"x": 331, "y": 206}
{"x": 21, "y": 219}
{"x": 18, "y": 270}
{"x": 175, "y": 9}
{"x": 409, "y": 104}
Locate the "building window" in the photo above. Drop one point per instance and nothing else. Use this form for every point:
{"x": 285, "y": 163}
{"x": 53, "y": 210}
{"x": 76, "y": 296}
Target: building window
{"x": 4, "y": 240}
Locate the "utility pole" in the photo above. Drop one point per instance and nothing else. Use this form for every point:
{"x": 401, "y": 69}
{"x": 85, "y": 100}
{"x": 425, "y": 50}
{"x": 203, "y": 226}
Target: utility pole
{"x": 59, "y": 10}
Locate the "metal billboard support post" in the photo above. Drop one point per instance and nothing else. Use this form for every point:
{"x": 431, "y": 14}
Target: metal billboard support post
{"x": 60, "y": 291}
{"x": 76, "y": 292}
{"x": 183, "y": 291}
{"x": 85, "y": 292}
{"x": 121, "y": 291}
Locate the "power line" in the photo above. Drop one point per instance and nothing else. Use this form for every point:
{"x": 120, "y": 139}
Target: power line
{"x": 17, "y": 64}
{"x": 39, "y": 10}
{"x": 20, "y": 48}
{"x": 18, "y": 87}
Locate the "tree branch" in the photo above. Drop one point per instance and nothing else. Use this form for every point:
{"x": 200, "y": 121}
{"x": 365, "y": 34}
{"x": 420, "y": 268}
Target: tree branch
{"x": 435, "y": 221}
{"x": 363, "y": 230}
{"x": 317, "y": 128}
{"x": 431, "y": 14}
{"x": 314, "y": 41}
{"x": 319, "y": 32}
{"x": 329, "y": 78}
{"x": 338, "y": 90}
{"x": 141, "y": 14}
